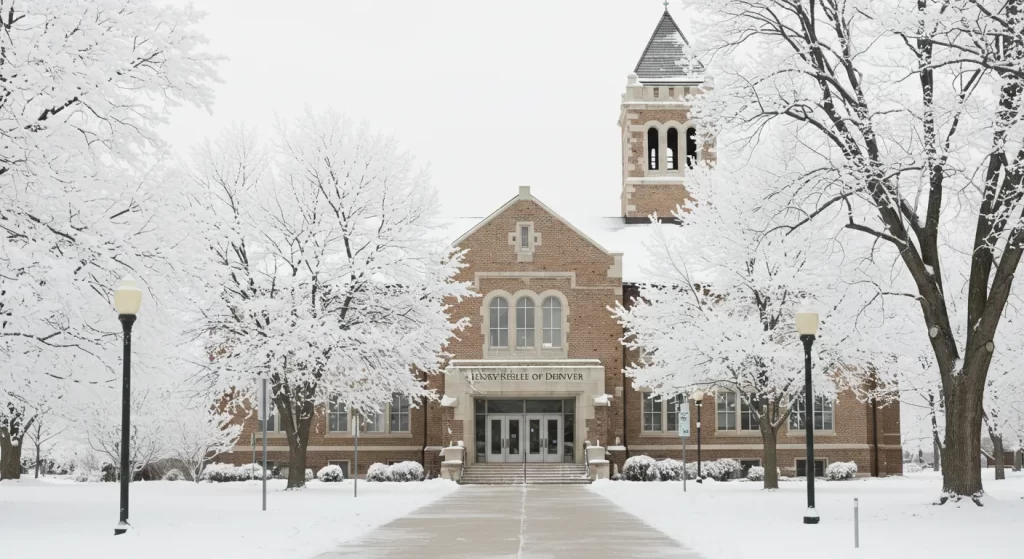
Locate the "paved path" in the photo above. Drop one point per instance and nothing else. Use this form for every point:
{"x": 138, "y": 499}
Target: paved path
{"x": 515, "y": 521}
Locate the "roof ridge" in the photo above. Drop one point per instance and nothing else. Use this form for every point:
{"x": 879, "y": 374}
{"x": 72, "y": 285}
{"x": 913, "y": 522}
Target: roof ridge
{"x": 656, "y": 53}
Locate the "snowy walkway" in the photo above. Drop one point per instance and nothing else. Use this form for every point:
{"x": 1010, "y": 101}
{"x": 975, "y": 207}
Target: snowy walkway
{"x": 535, "y": 521}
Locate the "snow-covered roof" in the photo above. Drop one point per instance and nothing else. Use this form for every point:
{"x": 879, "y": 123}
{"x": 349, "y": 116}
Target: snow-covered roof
{"x": 666, "y": 60}
{"x": 612, "y": 233}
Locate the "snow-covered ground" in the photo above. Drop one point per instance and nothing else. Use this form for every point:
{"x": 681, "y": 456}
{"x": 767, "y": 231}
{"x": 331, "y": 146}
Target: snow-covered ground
{"x": 738, "y": 520}
{"x": 61, "y": 518}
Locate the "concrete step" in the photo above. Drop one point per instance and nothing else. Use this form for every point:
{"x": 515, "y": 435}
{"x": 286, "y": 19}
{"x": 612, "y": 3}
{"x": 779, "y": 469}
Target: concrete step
{"x": 536, "y": 474}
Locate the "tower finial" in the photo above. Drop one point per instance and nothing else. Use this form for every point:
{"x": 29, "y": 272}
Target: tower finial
{"x": 666, "y": 5}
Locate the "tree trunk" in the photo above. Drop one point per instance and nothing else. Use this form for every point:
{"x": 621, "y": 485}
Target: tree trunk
{"x": 771, "y": 468}
{"x": 298, "y": 441}
{"x": 961, "y": 461}
{"x": 10, "y": 456}
{"x": 1018, "y": 455}
{"x": 997, "y": 453}
{"x": 936, "y": 454}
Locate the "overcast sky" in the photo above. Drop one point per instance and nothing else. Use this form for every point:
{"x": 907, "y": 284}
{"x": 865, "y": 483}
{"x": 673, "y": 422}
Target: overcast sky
{"x": 491, "y": 94}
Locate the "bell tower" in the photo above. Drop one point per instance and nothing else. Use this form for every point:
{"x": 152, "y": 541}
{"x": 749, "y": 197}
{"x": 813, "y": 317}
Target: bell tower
{"x": 659, "y": 140}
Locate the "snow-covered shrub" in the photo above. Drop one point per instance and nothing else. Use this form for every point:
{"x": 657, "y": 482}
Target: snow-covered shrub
{"x": 406, "y": 471}
{"x": 331, "y": 473}
{"x": 218, "y": 472}
{"x": 250, "y": 471}
{"x": 838, "y": 471}
{"x": 669, "y": 470}
{"x": 173, "y": 475}
{"x": 309, "y": 474}
{"x": 755, "y": 473}
{"x": 82, "y": 476}
{"x": 729, "y": 468}
{"x": 377, "y": 472}
{"x": 911, "y": 468}
{"x": 639, "y": 468}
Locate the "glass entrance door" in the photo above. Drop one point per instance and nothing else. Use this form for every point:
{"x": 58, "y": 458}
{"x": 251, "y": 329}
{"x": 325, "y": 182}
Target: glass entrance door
{"x": 504, "y": 442}
{"x": 543, "y": 438}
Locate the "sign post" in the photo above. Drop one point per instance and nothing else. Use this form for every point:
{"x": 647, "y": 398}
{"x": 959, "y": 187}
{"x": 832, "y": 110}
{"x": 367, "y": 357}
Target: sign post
{"x": 684, "y": 432}
{"x": 264, "y": 414}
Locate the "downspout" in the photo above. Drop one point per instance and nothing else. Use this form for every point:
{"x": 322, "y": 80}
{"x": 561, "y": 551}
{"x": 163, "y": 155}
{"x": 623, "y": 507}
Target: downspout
{"x": 423, "y": 456}
{"x": 874, "y": 435}
{"x": 625, "y": 408}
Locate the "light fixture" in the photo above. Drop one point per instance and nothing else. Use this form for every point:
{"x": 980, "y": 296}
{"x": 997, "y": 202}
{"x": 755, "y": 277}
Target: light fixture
{"x": 697, "y": 396}
{"x": 807, "y": 321}
{"x": 127, "y": 297}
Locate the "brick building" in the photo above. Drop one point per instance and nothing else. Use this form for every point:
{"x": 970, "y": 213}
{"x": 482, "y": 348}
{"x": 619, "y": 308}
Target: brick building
{"x": 540, "y": 371}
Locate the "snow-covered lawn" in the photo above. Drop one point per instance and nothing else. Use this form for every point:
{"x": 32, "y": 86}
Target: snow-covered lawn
{"x": 738, "y": 520}
{"x": 60, "y": 518}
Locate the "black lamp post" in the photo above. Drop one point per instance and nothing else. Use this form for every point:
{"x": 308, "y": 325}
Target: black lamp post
{"x": 127, "y": 299}
{"x": 807, "y": 326}
{"x": 698, "y": 399}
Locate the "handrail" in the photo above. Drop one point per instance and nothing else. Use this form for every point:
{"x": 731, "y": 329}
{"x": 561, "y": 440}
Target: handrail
{"x": 586, "y": 458}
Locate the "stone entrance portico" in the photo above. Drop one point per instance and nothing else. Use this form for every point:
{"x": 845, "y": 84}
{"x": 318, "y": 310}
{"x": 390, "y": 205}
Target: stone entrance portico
{"x": 469, "y": 380}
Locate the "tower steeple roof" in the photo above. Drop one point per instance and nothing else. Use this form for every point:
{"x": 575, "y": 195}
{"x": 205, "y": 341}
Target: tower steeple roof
{"x": 666, "y": 59}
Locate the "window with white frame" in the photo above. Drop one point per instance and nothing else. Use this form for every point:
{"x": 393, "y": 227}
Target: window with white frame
{"x": 652, "y": 413}
{"x": 272, "y": 425}
{"x": 337, "y": 415}
{"x": 524, "y": 237}
{"x": 524, "y": 322}
{"x": 734, "y": 413}
{"x": 499, "y": 322}
{"x": 824, "y": 415}
{"x": 725, "y": 407}
{"x": 552, "y": 322}
{"x": 374, "y": 422}
{"x": 399, "y": 414}
{"x": 661, "y": 415}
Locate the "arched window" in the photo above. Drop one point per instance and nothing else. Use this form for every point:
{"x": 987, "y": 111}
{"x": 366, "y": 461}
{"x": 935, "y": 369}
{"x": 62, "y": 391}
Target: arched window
{"x": 672, "y": 151}
{"x": 652, "y": 148}
{"x": 691, "y": 147}
{"x": 499, "y": 322}
{"x": 524, "y": 322}
{"x": 552, "y": 322}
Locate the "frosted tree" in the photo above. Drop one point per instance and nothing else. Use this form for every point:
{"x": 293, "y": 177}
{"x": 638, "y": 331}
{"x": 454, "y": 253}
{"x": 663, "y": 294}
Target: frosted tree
{"x": 909, "y": 114}
{"x": 718, "y": 313}
{"x": 150, "y": 432}
{"x": 332, "y": 281}
{"x": 201, "y": 433}
{"x": 84, "y": 200}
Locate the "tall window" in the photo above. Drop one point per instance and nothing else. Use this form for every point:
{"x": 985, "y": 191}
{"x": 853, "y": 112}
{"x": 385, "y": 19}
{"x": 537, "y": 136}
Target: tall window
{"x": 824, "y": 415}
{"x": 524, "y": 237}
{"x": 337, "y": 416}
{"x": 524, "y": 322}
{"x": 652, "y": 148}
{"x": 552, "y": 322}
{"x": 374, "y": 422}
{"x": 725, "y": 405}
{"x": 672, "y": 413}
{"x": 499, "y": 322}
{"x": 748, "y": 421}
{"x": 399, "y": 413}
{"x": 652, "y": 412}
{"x": 271, "y": 419}
{"x": 691, "y": 147}
{"x": 672, "y": 151}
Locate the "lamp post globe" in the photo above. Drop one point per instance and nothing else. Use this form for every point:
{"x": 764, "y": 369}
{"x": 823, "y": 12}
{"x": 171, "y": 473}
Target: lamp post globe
{"x": 127, "y": 301}
{"x": 698, "y": 399}
{"x": 807, "y": 327}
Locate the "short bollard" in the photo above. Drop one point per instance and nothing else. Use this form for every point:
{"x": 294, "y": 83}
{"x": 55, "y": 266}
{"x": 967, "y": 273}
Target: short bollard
{"x": 856, "y": 523}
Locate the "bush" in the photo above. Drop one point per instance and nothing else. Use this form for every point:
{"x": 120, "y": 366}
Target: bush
{"x": 219, "y": 473}
{"x": 309, "y": 474}
{"x": 377, "y": 472}
{"x": 911, "y": 468}
{"x": 840, "y": 471}
{"x": 755, "y": 473}
{"x": 669, "y": 470}
{"x": 83, "y": 476}
{"x": 332, "y": 473}
{"x": 174, "y": 475}
{"x": 639, "y": 468}
{"x": 406, "y": 471}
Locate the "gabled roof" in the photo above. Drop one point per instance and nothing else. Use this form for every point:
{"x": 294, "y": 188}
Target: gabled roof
{"x": 666, "y": 59}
